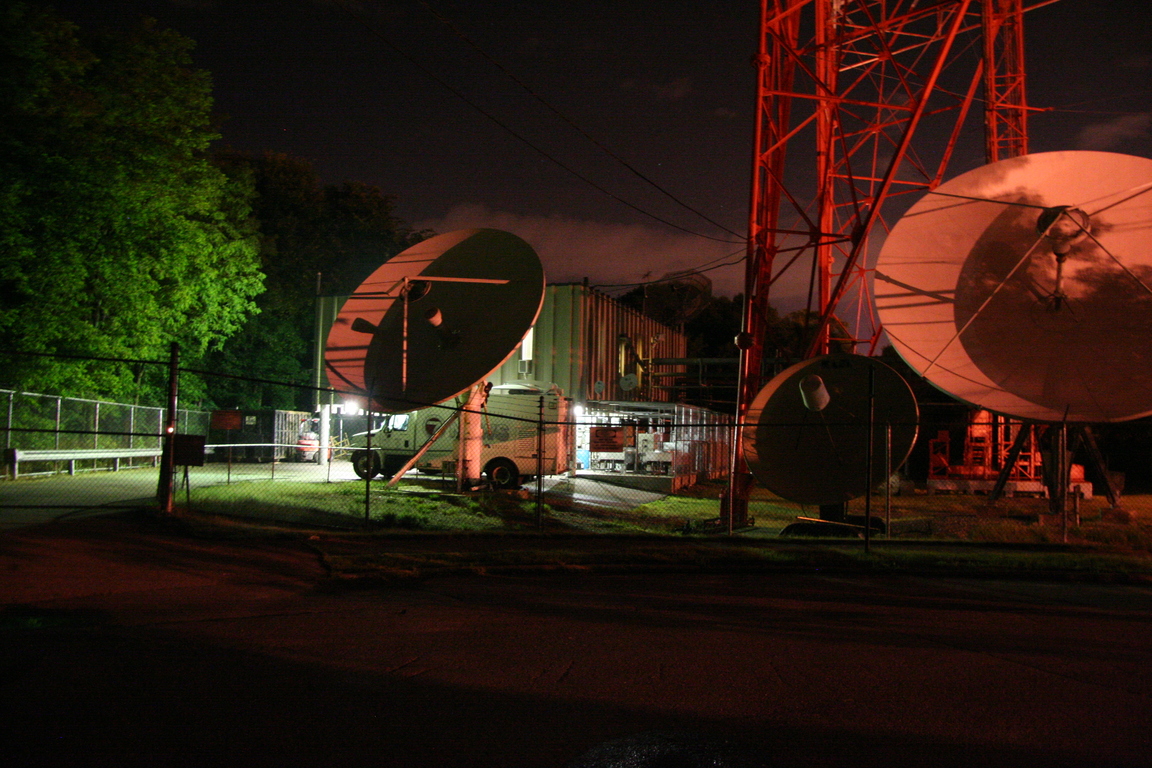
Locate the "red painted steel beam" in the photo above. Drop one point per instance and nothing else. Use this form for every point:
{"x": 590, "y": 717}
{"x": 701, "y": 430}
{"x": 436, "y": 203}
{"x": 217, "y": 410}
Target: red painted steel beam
{"x": 1006, "y": 111}
{"x": 873, "y": 210}
{"x": 845, "y": 88}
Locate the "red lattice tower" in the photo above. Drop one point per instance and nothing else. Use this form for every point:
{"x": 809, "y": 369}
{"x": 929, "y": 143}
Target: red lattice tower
{"x": 868, "y": 100}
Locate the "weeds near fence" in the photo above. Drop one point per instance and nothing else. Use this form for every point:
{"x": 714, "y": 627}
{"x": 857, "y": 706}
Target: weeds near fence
{"x": 427, "y": 505}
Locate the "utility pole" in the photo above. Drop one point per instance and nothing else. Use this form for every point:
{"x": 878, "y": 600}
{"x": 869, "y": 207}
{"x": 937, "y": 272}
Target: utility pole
{"x": 164, "y": 491}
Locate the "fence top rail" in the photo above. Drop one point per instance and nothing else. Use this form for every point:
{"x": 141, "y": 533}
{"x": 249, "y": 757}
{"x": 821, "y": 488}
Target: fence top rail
{"x": 102, "y": 433}
{"x": 79, "y": 399}
{"x": 97, "y": 402}
{"x": 260, "y": 445}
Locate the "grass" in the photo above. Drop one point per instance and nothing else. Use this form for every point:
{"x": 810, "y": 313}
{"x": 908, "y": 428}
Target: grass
{"x": 411, "y": 506}
{"x": 425, "y": 505}
{"x": 487, "y": 531}
{"x": 393, "y": 559}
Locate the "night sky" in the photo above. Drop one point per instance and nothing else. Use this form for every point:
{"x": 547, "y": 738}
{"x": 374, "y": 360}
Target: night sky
{"x": 389, "y": 93}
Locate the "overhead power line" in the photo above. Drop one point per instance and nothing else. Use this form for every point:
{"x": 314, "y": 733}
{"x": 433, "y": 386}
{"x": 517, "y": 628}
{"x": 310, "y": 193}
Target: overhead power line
{"x": 532, "y": 145}
{"x": 707, "y": 266}
{"x": 569, "y": 121}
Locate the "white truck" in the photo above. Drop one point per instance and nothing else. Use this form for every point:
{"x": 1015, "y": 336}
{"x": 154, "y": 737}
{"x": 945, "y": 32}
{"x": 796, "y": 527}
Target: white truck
{"x": 510, "y": 420}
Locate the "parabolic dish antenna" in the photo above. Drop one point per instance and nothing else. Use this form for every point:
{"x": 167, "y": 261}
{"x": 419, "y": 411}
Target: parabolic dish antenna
{"x": 1025, "y": 287}
{"x": 806, "y": 438}
{"x": 436, "y": 318}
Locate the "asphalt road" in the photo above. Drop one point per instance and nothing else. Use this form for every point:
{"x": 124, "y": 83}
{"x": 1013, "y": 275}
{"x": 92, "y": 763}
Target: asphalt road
{"x": 126, "y": 643}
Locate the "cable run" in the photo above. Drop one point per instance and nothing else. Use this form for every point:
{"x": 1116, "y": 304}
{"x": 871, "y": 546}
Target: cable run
{"x": 986, "y": 200}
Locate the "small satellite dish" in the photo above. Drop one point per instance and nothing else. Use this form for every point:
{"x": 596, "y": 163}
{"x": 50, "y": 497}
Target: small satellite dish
{"x": 436, "y": 318}
{"x": 1025, "y": 287}
{"x": 806, "y": 438}
{"x": 628, "y": 382}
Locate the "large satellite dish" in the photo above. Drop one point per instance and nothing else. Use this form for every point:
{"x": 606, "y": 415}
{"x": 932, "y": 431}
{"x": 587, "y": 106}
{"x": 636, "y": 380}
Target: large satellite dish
{"x": 436, "y": 318}
{"x": 1025, "y": 287}
{"x": 807, "y": 430}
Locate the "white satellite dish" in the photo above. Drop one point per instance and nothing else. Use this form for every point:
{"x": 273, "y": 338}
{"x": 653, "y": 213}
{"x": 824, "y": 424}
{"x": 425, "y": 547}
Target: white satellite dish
{"x": 1025, "y": 287}
{"x": 436, "y": 318}
{"x": 807, "y": 430}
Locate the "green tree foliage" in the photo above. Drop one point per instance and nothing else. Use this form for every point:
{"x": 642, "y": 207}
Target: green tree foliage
{"x": 117, "y": 235}
{"x": 709, "y": 322}
{"x": 341, "y": 233}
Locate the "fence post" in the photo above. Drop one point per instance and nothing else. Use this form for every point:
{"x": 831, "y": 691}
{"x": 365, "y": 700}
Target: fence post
{"x": 168, "y": 460}
{"x": 371, "y": 462}
{"x": 325, "y": 432}
{"x": 540, "y": 466}
{"x": 888, "y": 480}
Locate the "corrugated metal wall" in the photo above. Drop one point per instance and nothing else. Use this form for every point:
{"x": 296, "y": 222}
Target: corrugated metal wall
{"x": 622, "y": 339}
{"x": 584, "y": 342}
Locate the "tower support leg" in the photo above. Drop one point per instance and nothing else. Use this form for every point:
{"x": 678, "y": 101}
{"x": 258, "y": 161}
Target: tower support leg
{"x": 1010, "y": 462}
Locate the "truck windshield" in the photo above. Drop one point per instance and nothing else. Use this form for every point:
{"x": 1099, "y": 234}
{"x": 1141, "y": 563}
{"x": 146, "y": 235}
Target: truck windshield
{"x": 395, "y": 422}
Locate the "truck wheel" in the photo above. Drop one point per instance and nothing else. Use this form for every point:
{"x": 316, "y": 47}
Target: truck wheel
{"x": 366, "y": 465}
{"x": 503, "y": 473}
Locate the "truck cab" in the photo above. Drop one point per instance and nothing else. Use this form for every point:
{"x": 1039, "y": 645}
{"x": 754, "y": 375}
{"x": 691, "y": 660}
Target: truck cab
{"x": 513, "y": 427}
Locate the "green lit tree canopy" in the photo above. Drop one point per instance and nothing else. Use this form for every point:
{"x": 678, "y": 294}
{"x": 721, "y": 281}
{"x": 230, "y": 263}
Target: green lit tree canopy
{"x": 117, "y": 234}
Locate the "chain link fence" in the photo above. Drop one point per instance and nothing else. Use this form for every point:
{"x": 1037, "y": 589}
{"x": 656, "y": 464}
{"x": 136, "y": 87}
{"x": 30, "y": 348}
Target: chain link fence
{"x": 49, "y": 434}
{"x": 533, "y": 460}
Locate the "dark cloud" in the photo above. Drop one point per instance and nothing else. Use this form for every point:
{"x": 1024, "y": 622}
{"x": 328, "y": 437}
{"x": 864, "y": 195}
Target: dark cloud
{"x": 1115, "y": 134}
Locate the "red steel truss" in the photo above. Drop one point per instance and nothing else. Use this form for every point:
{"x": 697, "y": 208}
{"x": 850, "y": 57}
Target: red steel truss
{"x": 869, "y": 101}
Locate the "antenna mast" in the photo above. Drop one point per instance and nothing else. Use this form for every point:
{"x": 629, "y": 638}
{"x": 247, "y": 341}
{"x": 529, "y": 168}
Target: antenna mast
{"x": 873, "y": 100}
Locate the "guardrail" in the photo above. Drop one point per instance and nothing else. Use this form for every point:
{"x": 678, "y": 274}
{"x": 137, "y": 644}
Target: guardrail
{"x": 14, "y": 456}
